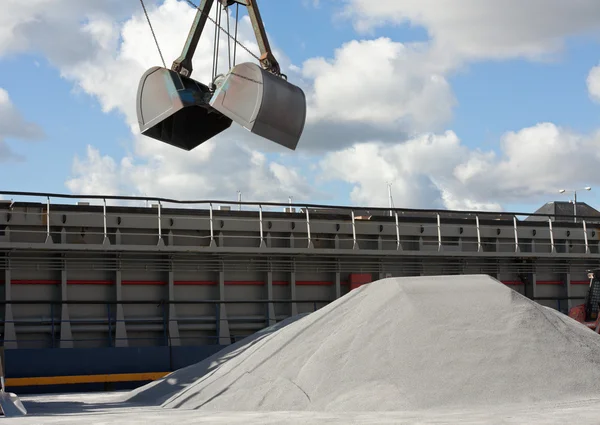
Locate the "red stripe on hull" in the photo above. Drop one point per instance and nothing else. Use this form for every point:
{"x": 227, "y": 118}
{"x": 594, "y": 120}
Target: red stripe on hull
{"x": 143, "y": 282}
{"x": 513, "y": 282}
{"x": 34, "y": 282}
{"x": 314, "y": 282}
{"x": 549, "y": 282}
{"x": 90, "y": 282}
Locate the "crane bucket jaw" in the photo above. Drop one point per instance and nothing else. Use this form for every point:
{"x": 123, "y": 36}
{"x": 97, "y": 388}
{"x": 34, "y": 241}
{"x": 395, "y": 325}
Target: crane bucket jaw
{"x": 263, "y": 103}
{"x": 174, "y": 109}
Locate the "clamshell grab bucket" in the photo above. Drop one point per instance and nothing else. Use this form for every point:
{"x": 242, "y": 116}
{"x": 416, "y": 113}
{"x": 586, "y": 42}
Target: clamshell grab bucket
{"x": 174, "y": 109}
{"x": 263, "y": 103}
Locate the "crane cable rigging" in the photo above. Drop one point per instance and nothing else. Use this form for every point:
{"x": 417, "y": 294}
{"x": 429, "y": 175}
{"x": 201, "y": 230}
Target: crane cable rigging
{"x": 218, "y": 27}
{"x": 153, "y": 34}
{"x": 183, "y": 112}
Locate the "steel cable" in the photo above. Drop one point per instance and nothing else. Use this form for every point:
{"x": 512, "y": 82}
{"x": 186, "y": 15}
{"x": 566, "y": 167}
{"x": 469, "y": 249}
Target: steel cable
{"x": 153, "y": 34}
{"x": 225, "y": 31}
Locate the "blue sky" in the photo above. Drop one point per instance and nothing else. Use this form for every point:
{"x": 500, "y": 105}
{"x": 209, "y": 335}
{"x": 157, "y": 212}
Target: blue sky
{"x": 493, "y": 96}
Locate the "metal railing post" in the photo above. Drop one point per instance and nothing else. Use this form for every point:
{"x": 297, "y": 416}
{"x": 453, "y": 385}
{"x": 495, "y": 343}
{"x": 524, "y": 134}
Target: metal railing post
{"x": 585, "y": 237}
{"x": 260, "y": 219}
{"x": 478, "y": 233}
{"x": 439, "y": 232}
{"x": 159, "y": 223}
{"x": 354, "y": 242}
{"x": 212, "y": 229}
{"x": 516, "y": 234}
{"x": 105, "y": 241}
{"x": 48, "y": 237}
{"x": 310, "y": 244}
{"x": 552, "y": 247}
{"x": 397, "y": 231}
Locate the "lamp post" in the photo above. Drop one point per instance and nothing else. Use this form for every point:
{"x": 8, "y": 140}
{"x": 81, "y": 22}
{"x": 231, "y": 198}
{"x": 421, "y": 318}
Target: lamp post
{"x": 574, "y": 200}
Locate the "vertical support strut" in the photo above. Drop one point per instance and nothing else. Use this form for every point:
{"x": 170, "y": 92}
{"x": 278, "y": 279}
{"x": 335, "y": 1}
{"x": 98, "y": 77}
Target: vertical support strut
{"x": 172, "y": 323}
{"x": 9, "y": 336}
{"x": 354, "y": 243}
{"x": 260, "y": 219}
{"x": 212, "y": 228}
{"x": 224, "y": 334}
{"x": 160, "y": 238}
{"x": 106, "y": 241}
{"x": 478, "y": 234}
{"x": 517, "y": 249}
{"x": 552, "y": 247}
{"x": 48, "y": 236}
{"x": 585, "y": 237}
{"x": 66, "y": 335}
{"x": 398, "y": 245}
{"x": 293, "y": 288}
{"x": 439, "y": 232}
{"x": 310, "y": 244}
{"x": 121, "y": 339}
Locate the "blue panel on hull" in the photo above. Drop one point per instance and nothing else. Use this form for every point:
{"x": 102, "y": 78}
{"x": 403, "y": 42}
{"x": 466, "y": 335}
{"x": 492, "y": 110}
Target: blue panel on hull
{"x": 26, "y": 363}
{"x": 185, "y": 356}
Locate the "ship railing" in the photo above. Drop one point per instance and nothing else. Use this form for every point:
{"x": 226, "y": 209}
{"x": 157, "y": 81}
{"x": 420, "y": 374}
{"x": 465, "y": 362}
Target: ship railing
{"x": 210, "y": 223}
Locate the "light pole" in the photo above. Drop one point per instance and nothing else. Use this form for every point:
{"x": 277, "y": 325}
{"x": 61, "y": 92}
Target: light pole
{"x": 574, "y": 200}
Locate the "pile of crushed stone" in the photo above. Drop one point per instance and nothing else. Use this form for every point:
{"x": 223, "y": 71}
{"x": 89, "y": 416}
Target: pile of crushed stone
{"x": 398, "y": 344}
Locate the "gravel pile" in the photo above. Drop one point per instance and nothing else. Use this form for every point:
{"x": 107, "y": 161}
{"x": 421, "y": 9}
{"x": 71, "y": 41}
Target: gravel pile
{"x": 400, "y": 344}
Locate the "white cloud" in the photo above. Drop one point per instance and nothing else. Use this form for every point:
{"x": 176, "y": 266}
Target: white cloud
{"x": 593, "y": 83}
{"x": 117, "y": 55}
{"x": 439, "y": 170}
{"x": 484, "y": 28}
{"x": 363, "y": 102}
{"x": 14, "y": 126}
{"x": 52, "y": 27}
{"x": 96, "y": 175}
{"x": 405, "y": 89}
{"x": 125, "y": 51}
{"x": 217, "y": 173}
{"x": 120, "y": 52}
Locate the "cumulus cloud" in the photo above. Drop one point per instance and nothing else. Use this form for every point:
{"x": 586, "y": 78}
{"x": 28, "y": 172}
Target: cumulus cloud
{"x": 217, "y": 172}
{"x": 125, "y": 50}
{"x": 382, "y": 83}
{"x": 107, "y": 62}
{"x": 439, "y": 170}
{"x": 52, "y": 27}
{"x": 14, "y": 126}
{"x": 408, "y": 93}
{"x": 378, "y": 108}
{"x": 484, "y": 28}
{"x": 593, "y": 83}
